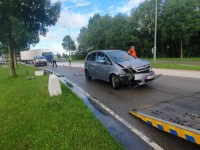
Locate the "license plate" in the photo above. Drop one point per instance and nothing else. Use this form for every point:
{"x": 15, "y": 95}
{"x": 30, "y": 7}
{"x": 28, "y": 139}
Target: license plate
{"x": 150, "y": 77}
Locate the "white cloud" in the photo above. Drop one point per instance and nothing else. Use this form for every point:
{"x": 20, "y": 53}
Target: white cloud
{"x": 96, "y": 9}
{"x": 111, "y": 9}
{"x": 53, "y": 47}
{"x": 52, "y": 36}
{"x": 53, "y": 1}
{"x": 76, "y": 1}
{"x": 82, "y": 4}
{"x": 126, "y": 8}
{"x": 71, "y": 19}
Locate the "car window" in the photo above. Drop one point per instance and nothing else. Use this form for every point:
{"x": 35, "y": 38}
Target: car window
{"x": 40, "y": 57}
{"x": 92, "y": 57}
{"x": 88, "y": 58}
{"x": 120, "y": 56}
{"x": 100, "y": 56}
{"x": 108, "y": 60}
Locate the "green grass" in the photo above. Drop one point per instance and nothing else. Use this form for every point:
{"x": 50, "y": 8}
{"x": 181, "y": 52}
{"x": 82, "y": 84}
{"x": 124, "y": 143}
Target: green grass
{"x": 30, "y": 119}
{"x": 173, "y": 59}
{"x": 79, "y": 60}
{"x": 175, "y": 66}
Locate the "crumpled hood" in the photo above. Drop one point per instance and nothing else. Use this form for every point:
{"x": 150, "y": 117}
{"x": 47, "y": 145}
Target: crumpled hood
{"x": 134, "y": 63}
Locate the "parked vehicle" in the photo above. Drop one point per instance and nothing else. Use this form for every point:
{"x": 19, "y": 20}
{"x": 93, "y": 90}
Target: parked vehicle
{"x": 118, "y": 67}
{"x": 28, "y": 56}
{"x": 39, "y": 60}
{"x": 48, "y": 56}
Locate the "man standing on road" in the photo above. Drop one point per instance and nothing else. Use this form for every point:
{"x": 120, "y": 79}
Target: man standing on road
{"x": 132, "y": 51}
{"x": 70, "y": 59}
{"x": 54, "y": 61}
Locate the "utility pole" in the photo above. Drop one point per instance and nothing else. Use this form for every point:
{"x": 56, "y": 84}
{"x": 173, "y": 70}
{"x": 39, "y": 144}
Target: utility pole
{"x": 154, "y": 52}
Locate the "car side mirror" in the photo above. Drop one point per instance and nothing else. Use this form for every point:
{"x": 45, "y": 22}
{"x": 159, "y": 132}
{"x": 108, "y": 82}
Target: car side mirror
{"x": 103, "y": 61}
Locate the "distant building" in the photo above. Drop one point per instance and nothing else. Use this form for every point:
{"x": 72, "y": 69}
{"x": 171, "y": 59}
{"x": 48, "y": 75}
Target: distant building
{"x": 5, "y": 57}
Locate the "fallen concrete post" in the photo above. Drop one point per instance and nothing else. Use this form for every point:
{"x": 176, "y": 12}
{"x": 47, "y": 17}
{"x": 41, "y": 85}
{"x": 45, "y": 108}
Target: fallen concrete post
{"x": 54, "y": 85}
{"x": 39, "y": 73}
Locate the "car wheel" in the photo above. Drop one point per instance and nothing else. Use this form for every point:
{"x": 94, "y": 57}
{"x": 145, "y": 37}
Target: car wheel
{"x": 115, "y": 82}
{"x": 87, "y": 75}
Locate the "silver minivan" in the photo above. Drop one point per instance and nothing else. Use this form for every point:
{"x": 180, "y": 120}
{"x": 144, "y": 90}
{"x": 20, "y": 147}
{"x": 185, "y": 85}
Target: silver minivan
{"x": 118, "y": 67}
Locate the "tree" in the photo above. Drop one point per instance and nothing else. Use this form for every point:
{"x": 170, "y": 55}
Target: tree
{"x": 58, "y": 55}
{"x": 83, "y": 43}
{"x": 3, "y": 49}
{"x": 68, "y": 44}
{"x": 181, "y": 19}
{"x": 36, "y": 16}
{"x": 178, "y": 28}
{"x": 22, "y": 39}
{"x": 118, "y": 33}
{"x": 64, "y": 55}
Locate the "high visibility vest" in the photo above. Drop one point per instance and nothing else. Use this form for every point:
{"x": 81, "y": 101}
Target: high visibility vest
{"x": 54, "y": 57}
{"x": 133, "y": 53}
{"x": 70, "y": 58}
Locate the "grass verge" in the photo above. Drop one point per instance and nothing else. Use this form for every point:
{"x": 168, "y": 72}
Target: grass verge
{"x": 30, "y": 119}
{"x": 175, "y": 66}
{"x": 78, "y": 60}
{"x": 173, "y": 59}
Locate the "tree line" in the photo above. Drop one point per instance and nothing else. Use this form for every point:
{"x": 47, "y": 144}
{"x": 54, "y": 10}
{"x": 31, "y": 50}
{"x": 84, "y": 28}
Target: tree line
{"x": 178, "y": 30}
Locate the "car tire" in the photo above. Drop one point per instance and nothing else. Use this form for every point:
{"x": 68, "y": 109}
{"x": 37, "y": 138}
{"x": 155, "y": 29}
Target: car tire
{"x": 115, "y": 82}
{"x": 87, "y": 75}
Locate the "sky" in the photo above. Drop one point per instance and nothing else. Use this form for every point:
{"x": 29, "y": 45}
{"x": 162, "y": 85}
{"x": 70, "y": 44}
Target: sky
{"x": 75, "y": 14}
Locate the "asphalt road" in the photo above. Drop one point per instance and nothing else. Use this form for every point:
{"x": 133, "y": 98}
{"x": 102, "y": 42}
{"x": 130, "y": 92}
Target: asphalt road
{"x": 179, "y": 62}
{"x": 120, "y": 101}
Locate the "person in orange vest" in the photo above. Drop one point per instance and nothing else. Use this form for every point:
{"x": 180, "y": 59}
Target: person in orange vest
{"x": 132, "y": 51}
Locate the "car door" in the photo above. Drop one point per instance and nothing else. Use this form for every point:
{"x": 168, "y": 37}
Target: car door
{"x": 91, "y": 63}
{"x": 101, "y": 67}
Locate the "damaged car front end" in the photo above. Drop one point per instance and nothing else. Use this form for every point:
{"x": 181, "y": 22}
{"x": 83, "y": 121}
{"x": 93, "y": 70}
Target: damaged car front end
{"x": 138, "y": 76}
{"x": 130, "y": 70}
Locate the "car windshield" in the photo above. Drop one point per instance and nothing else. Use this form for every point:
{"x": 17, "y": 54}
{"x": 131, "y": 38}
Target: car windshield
{"x": 47, "y": 54}
{"x": 120, "y": 56}
{"x": 40, "y": 57}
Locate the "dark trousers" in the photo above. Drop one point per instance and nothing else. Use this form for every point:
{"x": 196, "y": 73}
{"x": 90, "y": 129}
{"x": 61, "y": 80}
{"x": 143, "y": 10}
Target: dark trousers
{"x": 70, "y": 62}
{"x": 54, "y": 62}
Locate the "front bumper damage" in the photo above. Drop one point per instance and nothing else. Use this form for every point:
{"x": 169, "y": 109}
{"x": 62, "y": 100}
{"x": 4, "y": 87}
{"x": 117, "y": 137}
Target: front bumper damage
{"x": 41, "y": 63}
{"x": 135, "y": 79}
